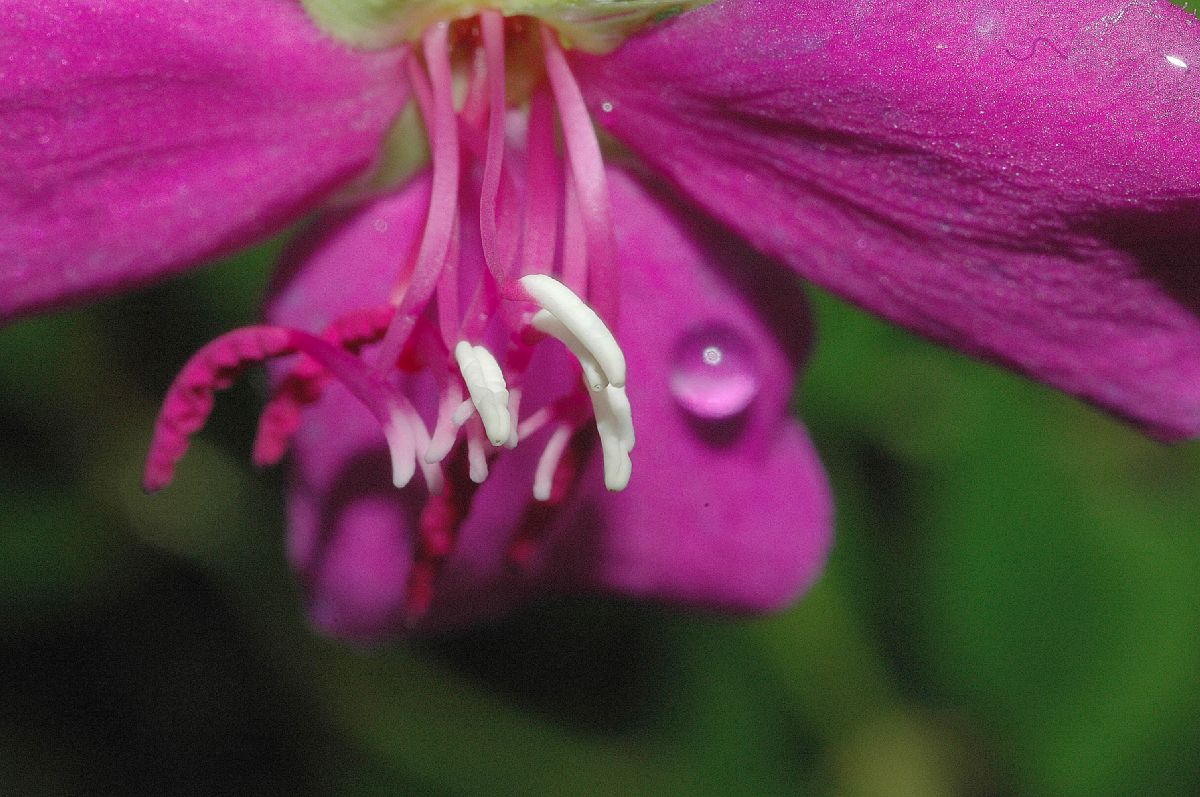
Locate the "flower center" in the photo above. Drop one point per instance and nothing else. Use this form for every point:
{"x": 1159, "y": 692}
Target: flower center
{"x": 496, "y": 96}
{"x": 596, "y": 26}
{"x": 530, "y": 203}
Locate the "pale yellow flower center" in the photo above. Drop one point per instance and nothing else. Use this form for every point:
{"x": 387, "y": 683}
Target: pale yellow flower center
{"x": 595, "y": 26}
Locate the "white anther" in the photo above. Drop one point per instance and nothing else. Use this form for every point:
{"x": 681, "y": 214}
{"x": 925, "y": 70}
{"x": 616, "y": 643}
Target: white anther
{"x": 591, "y": 332}
{"x": 485, "y": 382}
{"x": 614, "y": 422}
{"x": 543, "y": 477}
{"x": 593, "y": 374}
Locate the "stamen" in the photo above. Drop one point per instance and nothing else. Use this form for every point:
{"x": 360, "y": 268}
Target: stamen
{"x": 541, "y": 202}
{"x": 477, "y": 466}
{"x": 434, "y": 482}
{"x": 463, "y": 413}
{"x": 401, "y": 447}
{"x": 569, "y": 409}
{"x": 492, "y": 27}
{"x": 581, "y": 320}
{"x": 445, "y": 431}
{"x": 475, "y": 104}
{"x": 535, "y": 422}
{"x": 514, "y": 412}
{"x": 485, "y": 382}
{"x": 443, "y": 199}
{"x": 587, "y": 168}
{"x": 614, "y": 422}
{"x": 593, "y": 374}
{"x": 448, "y": 314}
{"x": 574, "y": 251}
{"x": 543, "y": 477}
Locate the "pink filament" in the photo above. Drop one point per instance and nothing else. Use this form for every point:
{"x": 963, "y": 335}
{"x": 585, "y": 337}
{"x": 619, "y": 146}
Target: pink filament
{"x": 475, "y": 105}
{"x": 449, "y": 318}
{"x": 443, "y": 201}
{"x": 492, "y": 25}
{"x": 587, "y": 168}
{"x": 548, "y": 463}
{"x": 574, "y": 253}
{"x": 542, "y": 187}
{"x": 420, "y": 87}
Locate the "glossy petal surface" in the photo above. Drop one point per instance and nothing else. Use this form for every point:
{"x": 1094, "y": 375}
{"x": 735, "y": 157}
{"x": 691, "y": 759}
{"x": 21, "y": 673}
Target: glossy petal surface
{"x": 137, "y": 139}
{"x": 1020, "y": 181}
{"x": 731, "y": 513}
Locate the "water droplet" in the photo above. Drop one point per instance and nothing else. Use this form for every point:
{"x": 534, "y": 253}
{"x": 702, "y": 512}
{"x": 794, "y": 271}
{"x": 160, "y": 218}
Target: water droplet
{"x": 606, "y": 106}
{"x": 714, "y": 373}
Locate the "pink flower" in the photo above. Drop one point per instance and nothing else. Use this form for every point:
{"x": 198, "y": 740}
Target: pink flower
{"x": 1020, "y": 182}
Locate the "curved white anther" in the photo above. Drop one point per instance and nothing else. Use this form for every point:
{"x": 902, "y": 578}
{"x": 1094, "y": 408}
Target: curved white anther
{"x": 593, "y": 374}
{"x": 485, "y": 382}
{"x": 614, "y": 422}
{"x": 581, "y": 320}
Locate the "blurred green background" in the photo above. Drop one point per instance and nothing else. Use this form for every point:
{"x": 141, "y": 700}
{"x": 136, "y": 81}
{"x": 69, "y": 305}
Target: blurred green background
{"x": 1012, "y": 607}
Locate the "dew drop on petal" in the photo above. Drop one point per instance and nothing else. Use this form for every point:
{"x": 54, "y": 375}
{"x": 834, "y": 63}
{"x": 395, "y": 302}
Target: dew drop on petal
{"x": 714, "y": 373}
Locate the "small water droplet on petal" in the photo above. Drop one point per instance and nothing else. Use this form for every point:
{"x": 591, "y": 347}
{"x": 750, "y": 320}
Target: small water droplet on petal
{"x": 714, "y": 373}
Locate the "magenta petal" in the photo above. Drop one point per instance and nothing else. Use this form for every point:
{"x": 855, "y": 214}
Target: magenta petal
{"x": 728, "y": 506}
{"x": 139, "y": 139}
{"x": 1018, "y": 180}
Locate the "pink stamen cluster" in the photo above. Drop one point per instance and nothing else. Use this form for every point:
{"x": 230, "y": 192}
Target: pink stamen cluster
{"x": 540, "y": 212}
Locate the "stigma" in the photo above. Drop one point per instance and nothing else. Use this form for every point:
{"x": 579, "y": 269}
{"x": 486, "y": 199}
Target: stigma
{"x": 512, "y": 152}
